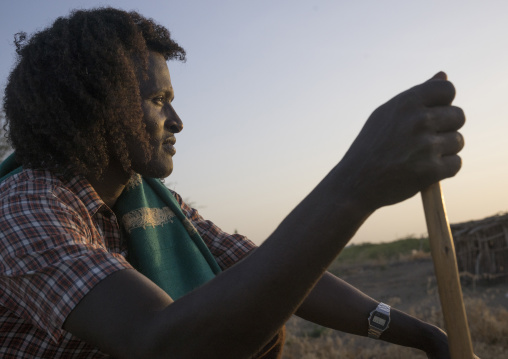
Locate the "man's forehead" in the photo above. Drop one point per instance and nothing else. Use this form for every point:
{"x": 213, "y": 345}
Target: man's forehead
{"x": 157, "y": 62}
{"x": 158, "y": 74}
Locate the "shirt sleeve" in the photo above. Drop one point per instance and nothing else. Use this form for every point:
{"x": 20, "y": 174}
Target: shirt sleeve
{"x": 227, "y": 249}
{"x": 51, "y": 256}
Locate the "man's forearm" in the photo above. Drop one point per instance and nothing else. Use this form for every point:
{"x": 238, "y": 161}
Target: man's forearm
{"x": 336, "y": 304}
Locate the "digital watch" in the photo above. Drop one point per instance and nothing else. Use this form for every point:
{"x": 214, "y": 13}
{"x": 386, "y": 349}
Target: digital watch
{"x": 379, "y": 320}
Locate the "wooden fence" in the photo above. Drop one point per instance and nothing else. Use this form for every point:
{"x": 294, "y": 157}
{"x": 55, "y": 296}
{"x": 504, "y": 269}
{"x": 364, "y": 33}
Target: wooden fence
{"x": 482, "y": 246}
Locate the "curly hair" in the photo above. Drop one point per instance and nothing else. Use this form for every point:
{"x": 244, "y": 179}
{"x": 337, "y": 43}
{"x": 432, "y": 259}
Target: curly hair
{"x": 72, "y": 99}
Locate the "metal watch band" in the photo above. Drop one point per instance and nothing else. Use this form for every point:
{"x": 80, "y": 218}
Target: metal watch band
{"x": 374, "y": 332}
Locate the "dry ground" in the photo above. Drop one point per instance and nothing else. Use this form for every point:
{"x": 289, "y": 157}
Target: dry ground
{"x": 408, "y": 285}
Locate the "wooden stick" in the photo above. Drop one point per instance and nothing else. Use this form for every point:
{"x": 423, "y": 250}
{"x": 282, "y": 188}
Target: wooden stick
{"x": 447, "y": 274}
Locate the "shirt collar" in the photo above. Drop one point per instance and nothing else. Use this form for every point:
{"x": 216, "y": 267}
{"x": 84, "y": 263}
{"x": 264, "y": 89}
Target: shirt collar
{"x": 79, "y": 185}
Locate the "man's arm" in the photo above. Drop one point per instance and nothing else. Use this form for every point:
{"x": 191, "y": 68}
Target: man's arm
{"x": 407, "y": 144}
{"x": 233, "y": 315}
{"x": 336, "y": 304}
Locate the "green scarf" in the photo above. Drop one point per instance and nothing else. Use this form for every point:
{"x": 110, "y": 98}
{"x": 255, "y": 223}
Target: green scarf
{"x": 162, "y": 243}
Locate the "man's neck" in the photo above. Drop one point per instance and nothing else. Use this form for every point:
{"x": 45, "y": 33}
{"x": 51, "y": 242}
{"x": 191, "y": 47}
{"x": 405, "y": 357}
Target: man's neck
{"x": 110, "y": 186}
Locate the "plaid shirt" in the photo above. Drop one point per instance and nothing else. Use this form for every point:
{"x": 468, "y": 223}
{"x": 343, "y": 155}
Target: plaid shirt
{"x": 58, "y": 240}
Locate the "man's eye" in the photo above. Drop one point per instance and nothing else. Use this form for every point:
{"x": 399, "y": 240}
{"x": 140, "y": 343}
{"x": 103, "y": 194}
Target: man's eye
{"x": 159, "y": 100}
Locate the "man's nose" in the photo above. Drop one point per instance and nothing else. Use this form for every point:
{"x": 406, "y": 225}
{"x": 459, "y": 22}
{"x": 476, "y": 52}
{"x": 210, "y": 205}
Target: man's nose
{"x": 173, "y": 121}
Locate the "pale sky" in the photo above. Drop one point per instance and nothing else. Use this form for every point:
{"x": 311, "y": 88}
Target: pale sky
{"x": 274, "y": 92}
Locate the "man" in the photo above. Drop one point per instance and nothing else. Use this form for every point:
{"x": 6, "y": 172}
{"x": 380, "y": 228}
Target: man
{"x": 91, "y": 122}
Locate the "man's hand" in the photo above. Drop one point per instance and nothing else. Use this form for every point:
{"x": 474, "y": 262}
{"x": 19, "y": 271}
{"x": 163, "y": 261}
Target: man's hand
{"x": 406, "y": 144}
{"x": 439, "y": 345}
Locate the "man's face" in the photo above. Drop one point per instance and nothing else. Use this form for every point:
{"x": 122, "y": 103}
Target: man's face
{"x": 160, "y": 119}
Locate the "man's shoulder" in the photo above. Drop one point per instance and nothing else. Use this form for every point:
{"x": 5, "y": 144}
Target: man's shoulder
{"x": 30, "y": 182}
{"x": 40, "y": 191}
{"x": 176, "y": 195}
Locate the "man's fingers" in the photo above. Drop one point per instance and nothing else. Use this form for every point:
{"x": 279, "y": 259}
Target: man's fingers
{"x": 440, "y": 168}
{"x": 450, "y": 165}
{"x": 442, "y": 119}
{"x": 436, "y": 92}
{"x": 449, "y": 118}
{"x": 450, "y": 143}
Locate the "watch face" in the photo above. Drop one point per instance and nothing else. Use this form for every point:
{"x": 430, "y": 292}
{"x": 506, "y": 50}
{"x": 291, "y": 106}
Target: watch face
{"x": 379, "y": 320}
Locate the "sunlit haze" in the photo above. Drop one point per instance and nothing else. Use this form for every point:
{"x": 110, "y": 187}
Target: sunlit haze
{"x": 274, "y": 92}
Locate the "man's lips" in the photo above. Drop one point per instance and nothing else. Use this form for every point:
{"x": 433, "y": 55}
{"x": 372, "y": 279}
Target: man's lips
{"x": 171, "y": 140}
{"x": 168, "y": 145}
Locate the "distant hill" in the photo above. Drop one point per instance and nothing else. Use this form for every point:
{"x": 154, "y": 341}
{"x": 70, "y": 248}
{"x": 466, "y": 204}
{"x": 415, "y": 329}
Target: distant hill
{"x": 376, "y": 252}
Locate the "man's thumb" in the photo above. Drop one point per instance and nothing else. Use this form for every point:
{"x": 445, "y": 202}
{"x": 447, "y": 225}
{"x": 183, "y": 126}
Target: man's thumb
{"x": 439, "y": 76}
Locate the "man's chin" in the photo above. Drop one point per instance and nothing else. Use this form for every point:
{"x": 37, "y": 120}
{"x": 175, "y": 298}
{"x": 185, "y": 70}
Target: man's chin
{"x": 162, "y": 173}
{"x": 156, "y": 170}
